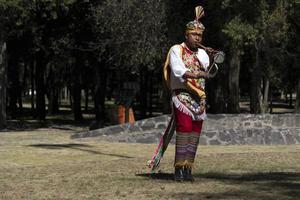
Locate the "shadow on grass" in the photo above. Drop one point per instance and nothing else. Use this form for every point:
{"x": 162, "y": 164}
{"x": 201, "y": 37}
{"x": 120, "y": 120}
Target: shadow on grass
{"x": 160, "y": 176}
{"x": 253, "y": 186}
{"x": 271, "y": 176}
{"x": 75, "y": 146}
{"x": 32, "y": 125}
{"x": 267, "y": 186}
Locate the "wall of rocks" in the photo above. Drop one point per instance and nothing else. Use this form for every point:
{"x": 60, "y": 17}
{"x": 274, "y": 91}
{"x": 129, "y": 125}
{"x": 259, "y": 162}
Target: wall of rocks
{"x": 218, "y": 129}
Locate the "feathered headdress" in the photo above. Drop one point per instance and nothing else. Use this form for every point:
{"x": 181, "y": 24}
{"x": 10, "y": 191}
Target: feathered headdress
{"x": 196, "y": 26}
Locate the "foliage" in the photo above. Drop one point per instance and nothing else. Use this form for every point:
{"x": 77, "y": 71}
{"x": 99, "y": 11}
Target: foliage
{"x": 132, "y": 31}
{"x": 240, "y": 33}
{"x": 132, "y": 36}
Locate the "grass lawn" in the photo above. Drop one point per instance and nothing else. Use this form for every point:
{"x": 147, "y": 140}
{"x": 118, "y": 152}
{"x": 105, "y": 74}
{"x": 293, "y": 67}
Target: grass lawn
{"x": 47, "y": 164}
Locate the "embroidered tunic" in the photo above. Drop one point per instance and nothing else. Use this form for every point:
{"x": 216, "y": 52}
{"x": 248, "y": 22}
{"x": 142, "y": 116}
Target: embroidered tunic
{"x": 182, "y": 59}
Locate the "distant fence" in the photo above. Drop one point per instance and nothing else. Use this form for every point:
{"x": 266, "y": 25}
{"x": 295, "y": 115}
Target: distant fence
{"x": 218, "y": 129}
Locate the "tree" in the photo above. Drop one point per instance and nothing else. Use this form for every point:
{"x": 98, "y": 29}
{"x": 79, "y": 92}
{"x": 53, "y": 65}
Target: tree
{"x": 240, "y": 34}
{"x": 5, "y": 10}
{"x": 269, "y": 44}
{"x": 3, "y": 83}
{"x": 267, "y": 24}
{"x": 293, "y": 74}
{"x": 130, "y": 37}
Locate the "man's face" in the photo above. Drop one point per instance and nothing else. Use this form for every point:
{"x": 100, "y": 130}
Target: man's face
{"x": 193, "y": 40}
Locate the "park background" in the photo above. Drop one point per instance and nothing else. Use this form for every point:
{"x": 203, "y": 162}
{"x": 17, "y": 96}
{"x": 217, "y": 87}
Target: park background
{"x": 77, "y": 60}
{"x": 67, "y": 65}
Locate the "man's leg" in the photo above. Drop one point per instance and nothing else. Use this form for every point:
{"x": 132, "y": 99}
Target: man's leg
{"x": 184, "y": 128}
{"x": 192, "y": 147}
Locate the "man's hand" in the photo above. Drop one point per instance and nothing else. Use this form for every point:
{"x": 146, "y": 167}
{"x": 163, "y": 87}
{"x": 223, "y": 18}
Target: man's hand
{"x": 202, "y": 75}
{"x": 210, "y": 51}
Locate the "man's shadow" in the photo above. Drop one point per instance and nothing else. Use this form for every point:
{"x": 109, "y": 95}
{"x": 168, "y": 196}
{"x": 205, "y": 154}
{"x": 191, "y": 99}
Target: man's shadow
{"x": 159, "y": 175}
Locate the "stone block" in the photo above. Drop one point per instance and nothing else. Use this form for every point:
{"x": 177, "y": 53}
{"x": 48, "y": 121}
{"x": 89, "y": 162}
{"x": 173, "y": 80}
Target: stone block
{"x": 134, "y": 128}
{"x": 247, "y": 123}
{"x": 161, "y": 126}
{"x": 225, "y": 137}
{"x": 113, "y": 130}
{"x": 146, "y": 140}
{"x": 254, "y": 136}
{"x": 216, "y": 116}
{"x": 163, "y": 118}
{"x": 239, "y": 138}
{"x": 267, "y": 136}
{"x": 258, "y": 124}
{"x": 296, "y": 134}
{"x": 276, "y": 137}
{"x": 209, "y": 134}
{"x": 203, "y": 140}
{"x": 214, "y": 142}
{"x": 290, "y": 121}
{"x": 277, "y": 121}
{"x": 290, "y": 139}
{"x": 297, "y": 121}
{"x": 244, "y": 117}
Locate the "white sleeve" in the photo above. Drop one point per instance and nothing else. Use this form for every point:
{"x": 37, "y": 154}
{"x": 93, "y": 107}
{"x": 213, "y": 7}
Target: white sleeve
{"x": 203, "y": 58}
{"x": 177, "y": 66}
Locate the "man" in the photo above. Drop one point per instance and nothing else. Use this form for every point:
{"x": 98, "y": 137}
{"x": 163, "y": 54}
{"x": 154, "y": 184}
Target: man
{"x": 185, "y": 72}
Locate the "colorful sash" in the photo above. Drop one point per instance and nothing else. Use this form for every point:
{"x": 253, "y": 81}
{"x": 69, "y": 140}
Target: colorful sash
{"x": 163, "y": 145}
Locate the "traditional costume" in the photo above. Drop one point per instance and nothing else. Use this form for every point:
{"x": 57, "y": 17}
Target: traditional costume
{"x": 188, "y": 114}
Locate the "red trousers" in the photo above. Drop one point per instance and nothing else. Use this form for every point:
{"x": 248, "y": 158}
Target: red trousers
{"x": 185, "y": 123}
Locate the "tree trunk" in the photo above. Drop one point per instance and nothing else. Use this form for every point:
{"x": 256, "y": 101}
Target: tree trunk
{"x": 99, "y": 94}
{"x": 166, "y": 96}
{"x": 3, "y": 84}
{"x": 297, "y": 106}
{"x": 52, "y": 93}
{"x": 76, "y": 96}
{"x": 271, "y": 100}
{"x": 40, "y": 85}
{"x": 13, "y": 86}
{"x": 76, "y": 90}
{"x": 143, "y": 92}
{"x": 33, "y": 66}
{"x": 150, "y": 109}
{"x": 86, "y": 94}
{"x": 233, "y": 90}
{"x": 255, "y": 93}
{"x": 291, "y": 99}
{"x": 265, "y": 103}
{"x": 53, "y": 97}
{"x": 216, "y": 90}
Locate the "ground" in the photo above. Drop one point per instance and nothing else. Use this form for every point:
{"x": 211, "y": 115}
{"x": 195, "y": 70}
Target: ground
{"x": 46, "y": 164}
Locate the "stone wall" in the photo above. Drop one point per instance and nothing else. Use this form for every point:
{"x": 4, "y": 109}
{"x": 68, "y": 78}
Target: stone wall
{"x": 218, "y": 129}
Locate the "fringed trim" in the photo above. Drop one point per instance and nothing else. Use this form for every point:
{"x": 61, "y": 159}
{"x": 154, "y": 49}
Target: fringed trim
{"x": 185, "y": 164}
{"x": 181, "y": 107}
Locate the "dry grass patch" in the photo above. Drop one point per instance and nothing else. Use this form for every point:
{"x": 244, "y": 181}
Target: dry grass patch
{"x": 47, "y": 164}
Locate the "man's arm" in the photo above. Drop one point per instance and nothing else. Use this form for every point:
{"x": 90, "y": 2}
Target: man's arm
{"x": 198, "y": 75}
{"x": 179, "y": 68}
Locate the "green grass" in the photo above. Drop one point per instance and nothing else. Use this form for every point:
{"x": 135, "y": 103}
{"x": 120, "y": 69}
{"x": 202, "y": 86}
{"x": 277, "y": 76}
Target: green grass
{"x": 47, "y": 164}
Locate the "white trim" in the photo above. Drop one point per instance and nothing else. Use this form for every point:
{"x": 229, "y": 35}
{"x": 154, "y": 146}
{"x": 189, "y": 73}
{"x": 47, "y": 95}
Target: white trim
{"x": 182, "y": 108}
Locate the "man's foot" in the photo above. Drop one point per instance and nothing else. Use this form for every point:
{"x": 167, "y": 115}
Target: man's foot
{"x": 188, "y": 175}
{"x": 179, "y": 174}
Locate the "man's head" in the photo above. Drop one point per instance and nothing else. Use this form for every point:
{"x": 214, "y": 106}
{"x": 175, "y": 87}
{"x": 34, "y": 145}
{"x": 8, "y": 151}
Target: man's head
{"x": 193, "y": 34}
{"x": 194, "y": 30}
